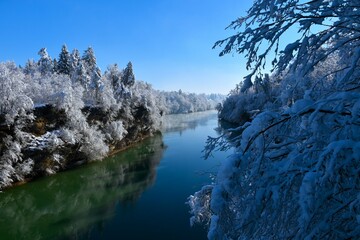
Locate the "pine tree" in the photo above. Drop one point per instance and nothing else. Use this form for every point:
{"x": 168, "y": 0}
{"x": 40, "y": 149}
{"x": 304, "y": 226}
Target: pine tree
{"x": 55, "y": 65}
{"x": 74, "y": 60}
{"x": 96, "y": 83}
{"x": 81, "y": 76}
{"x": 89, "y": 59}
{"x": 45, "y": 62}
{"x": 63, "y": 65}
{"x": 94, "y": 73}
{"x": 30, "y": 67}
{"x": 114, "y": 75}
{"x": 128, "y": 75}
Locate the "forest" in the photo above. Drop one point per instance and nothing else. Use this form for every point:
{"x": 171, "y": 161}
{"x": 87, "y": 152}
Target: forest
{"x": 58, "y": 113}
{"x": 295, "y": 168}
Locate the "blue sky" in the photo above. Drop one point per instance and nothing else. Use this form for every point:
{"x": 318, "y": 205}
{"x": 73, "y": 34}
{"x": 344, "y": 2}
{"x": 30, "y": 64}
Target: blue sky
{"x": 168, "y": 41}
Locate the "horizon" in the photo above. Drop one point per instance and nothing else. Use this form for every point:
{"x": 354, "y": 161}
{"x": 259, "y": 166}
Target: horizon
{"x": 169, "y": 43}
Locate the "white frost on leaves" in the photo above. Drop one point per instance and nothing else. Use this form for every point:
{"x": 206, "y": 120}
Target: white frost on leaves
{"x": 49, "y": 140}
{"x": 115, "y": 131}
{"x": 200, "y": 205}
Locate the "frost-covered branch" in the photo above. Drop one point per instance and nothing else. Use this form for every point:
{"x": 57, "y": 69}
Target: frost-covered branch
{"x": 320, "y": 24}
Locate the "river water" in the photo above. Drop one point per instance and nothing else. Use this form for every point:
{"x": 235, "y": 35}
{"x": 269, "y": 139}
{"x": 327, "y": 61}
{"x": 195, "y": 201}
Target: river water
{"x": 139, "y": 193}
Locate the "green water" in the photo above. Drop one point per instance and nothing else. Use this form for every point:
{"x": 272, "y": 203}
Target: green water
{"x": 137, "y": 194}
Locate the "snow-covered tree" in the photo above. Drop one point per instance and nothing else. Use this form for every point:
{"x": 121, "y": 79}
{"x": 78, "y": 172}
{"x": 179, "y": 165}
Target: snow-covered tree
{"x": 128, "y": 75}
{"x": 30, "y": 67}
{"x": 295, "y": 173}
{"x": 63, "y": 65}
{"x": 55, "y": 65}
{"x": 11, "y": 155}
{"x": 179, "y": 102}
{"x": 13, "y": 102}
{"x": 15, "y": 112}
{"x": 96, "y": 84}
{"x": 45, "y": 62}
{"x": 143, "y": 99}
{"x": 114, "y": 74}
{"x": 94, "y": 73}
{"x": 89, "y": 59}
{"x": 323, "y": 27}
{"x": 81, "y": 76}
{"x": 106, "y": 97}
{"x": 75, "y": 60}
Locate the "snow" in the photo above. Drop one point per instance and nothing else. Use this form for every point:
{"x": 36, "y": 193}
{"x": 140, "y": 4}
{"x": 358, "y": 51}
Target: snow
{"x": 295, "y": 174}
{"x": 49, "y": 140}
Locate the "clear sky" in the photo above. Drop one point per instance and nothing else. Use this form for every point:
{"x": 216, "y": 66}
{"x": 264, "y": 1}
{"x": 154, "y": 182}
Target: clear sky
{"x": 168, "y": 41}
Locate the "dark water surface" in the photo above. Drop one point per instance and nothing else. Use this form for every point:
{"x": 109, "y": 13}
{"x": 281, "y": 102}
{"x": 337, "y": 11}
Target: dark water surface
{"x": 138, "y": 194}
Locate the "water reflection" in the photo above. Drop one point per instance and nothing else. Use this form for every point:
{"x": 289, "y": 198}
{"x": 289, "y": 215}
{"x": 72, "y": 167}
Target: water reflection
{"x": 181, "y": 122}
{"x": 69, "y": 204}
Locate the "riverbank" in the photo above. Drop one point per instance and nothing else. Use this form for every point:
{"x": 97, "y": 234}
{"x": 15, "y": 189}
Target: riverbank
{"x": 45, "y": 146}
{"x": 120, "y": 196}
{"x": 46, "y": 143}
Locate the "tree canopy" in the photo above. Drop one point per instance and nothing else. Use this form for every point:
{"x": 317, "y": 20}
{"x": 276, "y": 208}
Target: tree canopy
{"x": 323, "y": 28}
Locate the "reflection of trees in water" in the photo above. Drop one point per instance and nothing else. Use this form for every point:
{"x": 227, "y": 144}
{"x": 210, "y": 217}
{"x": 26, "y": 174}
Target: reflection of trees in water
{"x": 181, "y": 122}
{"x": 224, "y": 128}
{"x": 68, "y": 203}
{"x": 226, "y": 139}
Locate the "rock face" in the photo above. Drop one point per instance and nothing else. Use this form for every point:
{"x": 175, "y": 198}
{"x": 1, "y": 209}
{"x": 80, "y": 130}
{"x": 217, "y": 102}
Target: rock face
{"x": 51, "y": 143}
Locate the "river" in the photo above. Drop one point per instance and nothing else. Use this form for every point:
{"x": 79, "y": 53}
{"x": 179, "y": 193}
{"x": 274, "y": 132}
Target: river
{"x": 139, "y": 193}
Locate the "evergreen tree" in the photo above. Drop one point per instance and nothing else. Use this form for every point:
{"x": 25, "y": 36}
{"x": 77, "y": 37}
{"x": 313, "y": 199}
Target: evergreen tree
{"x": 94, "y": 73}
{"x": 128, "y": 75}
{"x": 45, "y": 62}
{"x": 114, "y": 75}
{"x": 74, "y": 60}
{"x": 55, "y": 66}
{"x": 81, "y": 76}
{"x": 89, "y": 59}
{"x": 63, "y": 65}
{"x": 30, "y": 67}
{"x": 96, "y": 84}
